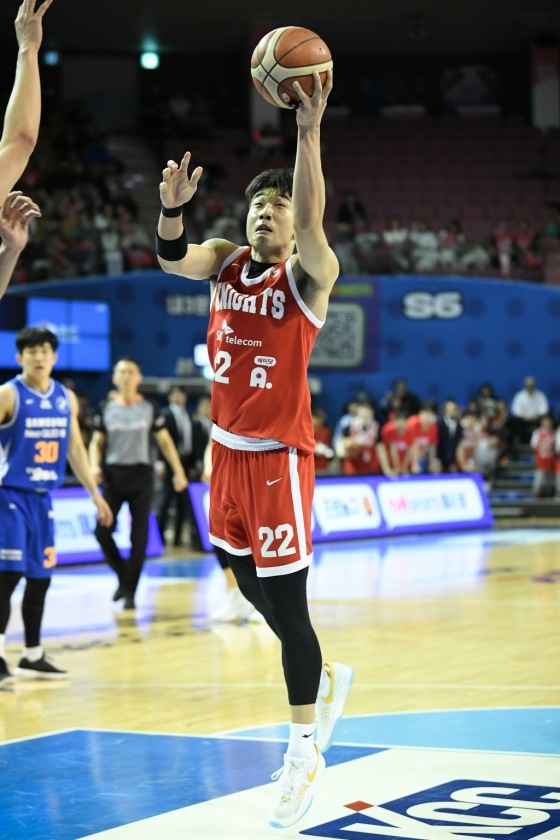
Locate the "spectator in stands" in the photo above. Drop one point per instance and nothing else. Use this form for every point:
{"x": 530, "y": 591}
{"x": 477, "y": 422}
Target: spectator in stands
{"x": 366, "y": 247}
{"x": 457, "y": 253}
{"x": 487, "y": 400}
{"x": 425, "y": 245}
{"x": 350, "y": 411}
{"x": 552, "y": 228}
{"x": 502, "y": 247}
{"x": 527, "y": 407}
{"x": 450, "y": 240}
{"x": 450, "y": 433}
{"x": 487, "y": 450}
{"x": 542, "y": 443}
{"x": 360, "y": 446}
{"x": 350, "y": 211}
{"x": 468, "y": 445}
{"x": 526, "y": 246}
{"x": 407, "y": 402}
{"x": 423, "y": 440}
{"x": 112, "y": 252}
{"x": 395, "y": 236}
{"x": 324, "y": 452}
{"x": 395, "y": 435}
{"x": 502, "y": 427}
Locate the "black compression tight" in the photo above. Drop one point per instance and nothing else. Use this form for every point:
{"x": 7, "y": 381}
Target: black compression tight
{"x": 282, "y": 600}
{"x": 32, "y": 605}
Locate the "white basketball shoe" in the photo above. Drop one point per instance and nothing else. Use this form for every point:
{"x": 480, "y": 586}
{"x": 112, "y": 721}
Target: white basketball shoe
{"x": 330, "y": 706}
{"x": 234, "y": 608}
{"x": 296, "y": 785}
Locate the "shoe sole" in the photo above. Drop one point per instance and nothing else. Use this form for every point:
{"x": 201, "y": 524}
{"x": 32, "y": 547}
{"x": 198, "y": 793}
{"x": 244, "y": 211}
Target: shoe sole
{"x": 38, "y": 675}
{"x": 7, "y": 682}
{"x": 339, "y": 703}
{"x": 320, "y": 770}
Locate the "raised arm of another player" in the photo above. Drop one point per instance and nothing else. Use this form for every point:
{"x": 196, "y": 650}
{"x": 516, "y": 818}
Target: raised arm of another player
{"x": 78, "y": 460}
{"x": 177, "y": 189}
{"x": 15, "y": 216}
{"x": 319, "y": 265}
{"x": 23, "y": 114}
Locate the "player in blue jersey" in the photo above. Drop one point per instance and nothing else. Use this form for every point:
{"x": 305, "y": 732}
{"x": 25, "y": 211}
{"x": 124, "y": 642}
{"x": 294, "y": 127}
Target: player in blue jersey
{"x": 39, "y": 431}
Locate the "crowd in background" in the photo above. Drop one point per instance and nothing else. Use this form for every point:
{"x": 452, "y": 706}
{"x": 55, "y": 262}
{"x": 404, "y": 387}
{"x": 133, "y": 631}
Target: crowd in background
{"x": 89, "y": 219}
{"x": 402, "y": 435}
{"x": 397, "y": 249}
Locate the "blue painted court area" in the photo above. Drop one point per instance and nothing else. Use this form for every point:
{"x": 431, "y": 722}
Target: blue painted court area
{"x": 70, "y": 785}
{"x": 531, "y": 730}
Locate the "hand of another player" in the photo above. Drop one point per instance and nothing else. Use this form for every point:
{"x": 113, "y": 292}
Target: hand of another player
{"x": 29, "y": 23}
{"x": 17, "y": 211}
{"x": 177, "y": 188}
{"x": 104, "y": 512}
{"x": 180, "y": 482}
{"x": 311, "y": 110}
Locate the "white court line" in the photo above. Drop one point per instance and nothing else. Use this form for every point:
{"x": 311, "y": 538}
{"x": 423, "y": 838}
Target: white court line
{"x": 39, "y": 735}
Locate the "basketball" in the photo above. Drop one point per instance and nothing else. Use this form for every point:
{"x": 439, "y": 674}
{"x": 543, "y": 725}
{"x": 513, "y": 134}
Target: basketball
{"x": 287, "y": 55}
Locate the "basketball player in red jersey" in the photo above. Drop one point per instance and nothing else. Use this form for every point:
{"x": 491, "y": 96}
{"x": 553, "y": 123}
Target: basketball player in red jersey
{"x": 268, "y": 306}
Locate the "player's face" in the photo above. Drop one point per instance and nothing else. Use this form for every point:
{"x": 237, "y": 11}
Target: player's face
{"x": 270, "y": 222}
{"x": 37, "y": 362}
{"x": 126, "y": 376}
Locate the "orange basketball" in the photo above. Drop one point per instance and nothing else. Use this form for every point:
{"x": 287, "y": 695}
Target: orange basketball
{"x": 285, "y": 56}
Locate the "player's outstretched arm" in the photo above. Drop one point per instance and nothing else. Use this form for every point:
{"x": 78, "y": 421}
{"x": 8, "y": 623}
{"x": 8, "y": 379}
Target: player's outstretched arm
{"x": 15, "y": 216}
{"x": 23, "y": 114}
{"x": 198, "y": 262}
{"x": 308, "y": 199}
{"x": 78, "y": 460}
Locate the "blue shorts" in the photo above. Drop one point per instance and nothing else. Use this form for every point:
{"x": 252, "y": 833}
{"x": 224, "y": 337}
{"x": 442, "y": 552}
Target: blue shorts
{"x": 26, "y": 533}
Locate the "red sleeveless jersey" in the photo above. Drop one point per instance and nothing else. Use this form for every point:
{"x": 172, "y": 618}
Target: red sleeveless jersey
{"x": 260, "y": 338}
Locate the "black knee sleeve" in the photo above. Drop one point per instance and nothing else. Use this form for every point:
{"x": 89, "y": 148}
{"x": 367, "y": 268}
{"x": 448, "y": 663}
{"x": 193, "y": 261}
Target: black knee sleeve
{"x": 32, "y": 608}
{"x": 286, "y": 596}
{"x": 8, "y": 582}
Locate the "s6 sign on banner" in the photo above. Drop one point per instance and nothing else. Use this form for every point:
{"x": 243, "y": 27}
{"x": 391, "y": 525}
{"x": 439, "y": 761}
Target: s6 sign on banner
{"x": 375, "y": 506}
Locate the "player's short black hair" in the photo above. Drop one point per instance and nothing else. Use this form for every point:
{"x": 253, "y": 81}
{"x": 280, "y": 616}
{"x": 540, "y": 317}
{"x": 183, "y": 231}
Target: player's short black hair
{"x": 34, "y": 336}
{"x": 128, "y": 359}
{"x": 280, "y": 181}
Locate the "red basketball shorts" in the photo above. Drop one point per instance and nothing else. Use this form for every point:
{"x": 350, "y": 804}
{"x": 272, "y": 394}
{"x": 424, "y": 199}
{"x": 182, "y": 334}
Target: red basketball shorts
{"x": 260, "y": 504}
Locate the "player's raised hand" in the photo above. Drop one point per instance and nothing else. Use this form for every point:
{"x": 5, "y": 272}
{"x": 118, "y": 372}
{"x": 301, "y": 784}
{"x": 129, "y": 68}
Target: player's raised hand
{"x": 311, "y": 110}
{"x": 177, "y": 188}
{"x": 17, "y": 211}
{"x": 29, "y": 23}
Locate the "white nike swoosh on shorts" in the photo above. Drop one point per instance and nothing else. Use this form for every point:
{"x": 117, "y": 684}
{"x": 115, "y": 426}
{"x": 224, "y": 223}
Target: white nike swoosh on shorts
{"x": 275, "y": 481}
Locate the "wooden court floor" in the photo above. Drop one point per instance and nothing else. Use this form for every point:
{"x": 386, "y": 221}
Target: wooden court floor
{"x": 488, "y": 638}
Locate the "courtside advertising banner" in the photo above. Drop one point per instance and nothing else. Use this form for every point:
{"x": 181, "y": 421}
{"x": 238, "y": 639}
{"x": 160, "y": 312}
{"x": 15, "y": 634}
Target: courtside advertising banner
{"x": 375, "y": 506}
{"x": 75, "y": 517}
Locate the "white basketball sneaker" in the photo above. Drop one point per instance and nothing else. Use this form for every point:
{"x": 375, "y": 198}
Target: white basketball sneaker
{"x": 330, "y": 707}
{"x": 296, "y": 785}
{"x": 234, "y": 608}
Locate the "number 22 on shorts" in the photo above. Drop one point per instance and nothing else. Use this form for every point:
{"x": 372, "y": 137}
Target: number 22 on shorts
{"x": 268, "y": 535}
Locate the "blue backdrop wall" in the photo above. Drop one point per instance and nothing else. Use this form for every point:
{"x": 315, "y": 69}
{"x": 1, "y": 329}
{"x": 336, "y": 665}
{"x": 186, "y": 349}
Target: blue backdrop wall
{"x": 446, "y": 335}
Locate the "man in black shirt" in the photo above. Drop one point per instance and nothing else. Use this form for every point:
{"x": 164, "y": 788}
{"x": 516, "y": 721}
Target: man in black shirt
{"x": 190, "y": 439}
{"x": 121, "y": 441}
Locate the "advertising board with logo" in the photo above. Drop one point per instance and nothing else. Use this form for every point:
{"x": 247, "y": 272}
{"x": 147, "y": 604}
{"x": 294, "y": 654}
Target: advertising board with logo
{"x": 375, "y": 506}
{"x": 75, "y": 517}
